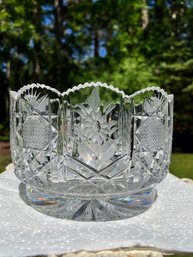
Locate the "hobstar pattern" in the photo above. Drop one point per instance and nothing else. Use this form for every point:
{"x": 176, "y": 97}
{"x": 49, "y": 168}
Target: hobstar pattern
{"x": 85, "y": 155}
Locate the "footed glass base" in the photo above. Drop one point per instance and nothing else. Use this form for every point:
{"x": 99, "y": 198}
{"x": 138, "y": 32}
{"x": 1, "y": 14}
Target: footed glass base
{"x": 91, "y": 208}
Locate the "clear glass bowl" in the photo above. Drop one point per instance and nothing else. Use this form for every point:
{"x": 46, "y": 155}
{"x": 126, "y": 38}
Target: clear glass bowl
{"x": 92, "y": 152}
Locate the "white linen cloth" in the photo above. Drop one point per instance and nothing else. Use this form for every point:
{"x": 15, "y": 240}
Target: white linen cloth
{"x": 167, "y": 225}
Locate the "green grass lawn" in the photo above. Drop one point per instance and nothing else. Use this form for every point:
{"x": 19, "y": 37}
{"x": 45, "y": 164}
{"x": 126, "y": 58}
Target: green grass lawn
{"x": 182, "y": 165}
{"x": 4, "y": 161}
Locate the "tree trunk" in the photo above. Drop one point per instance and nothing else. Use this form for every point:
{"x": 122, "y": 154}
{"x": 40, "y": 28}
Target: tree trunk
{"x": 4, "y": 102}
{"x": 37, "y": 69}
{"x": 145, "y": 15}
{"x": 58, "y": 33}
{"x": 96, "y": 43}
{"x": 37, "y": 45}
{"x": 58, "y": 20}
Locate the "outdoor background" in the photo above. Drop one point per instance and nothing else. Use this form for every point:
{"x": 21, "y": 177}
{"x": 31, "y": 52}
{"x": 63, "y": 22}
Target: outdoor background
{"x": 130, "y": 44}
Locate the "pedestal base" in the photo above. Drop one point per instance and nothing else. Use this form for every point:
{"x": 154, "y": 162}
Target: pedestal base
{"x": 91, "y": 208}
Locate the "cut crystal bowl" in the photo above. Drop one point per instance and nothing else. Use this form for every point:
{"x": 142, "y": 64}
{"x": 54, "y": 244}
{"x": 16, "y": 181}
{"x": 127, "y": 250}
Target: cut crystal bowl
{"x": 91, "y": 153}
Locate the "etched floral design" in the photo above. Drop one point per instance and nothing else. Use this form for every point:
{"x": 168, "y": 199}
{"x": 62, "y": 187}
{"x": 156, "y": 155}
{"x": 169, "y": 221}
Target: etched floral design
{"x": 36, "y": 101}
{"x": 94, "y": 130}
{"x": 152, "y": 104}
{"x": 96, "y": 127}
{"x": 94, "y": 123}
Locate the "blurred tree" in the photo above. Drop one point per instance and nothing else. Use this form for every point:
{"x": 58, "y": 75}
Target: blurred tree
{"x": 131, "y": 44}
{"x": 168, "y": 43}
{"x": 15, "y": 33}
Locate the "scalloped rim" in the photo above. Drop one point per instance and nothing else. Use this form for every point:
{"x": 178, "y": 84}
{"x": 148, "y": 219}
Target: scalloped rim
{"x": 17, "y": 94}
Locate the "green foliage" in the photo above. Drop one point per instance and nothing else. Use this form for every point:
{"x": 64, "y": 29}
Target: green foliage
{"x": 133, "y": 73}
{"x": 130, "y": 44}
{"x": 130, "y": 74}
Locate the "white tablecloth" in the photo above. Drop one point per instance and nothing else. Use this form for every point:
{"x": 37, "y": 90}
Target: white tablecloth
{"x": 167, "y": 225}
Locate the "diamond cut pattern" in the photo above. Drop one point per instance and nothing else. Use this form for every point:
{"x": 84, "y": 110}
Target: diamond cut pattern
{"x": 36, "y": 125}
{"x": 152, "y": 140}
{"x": 152, "y": 134}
